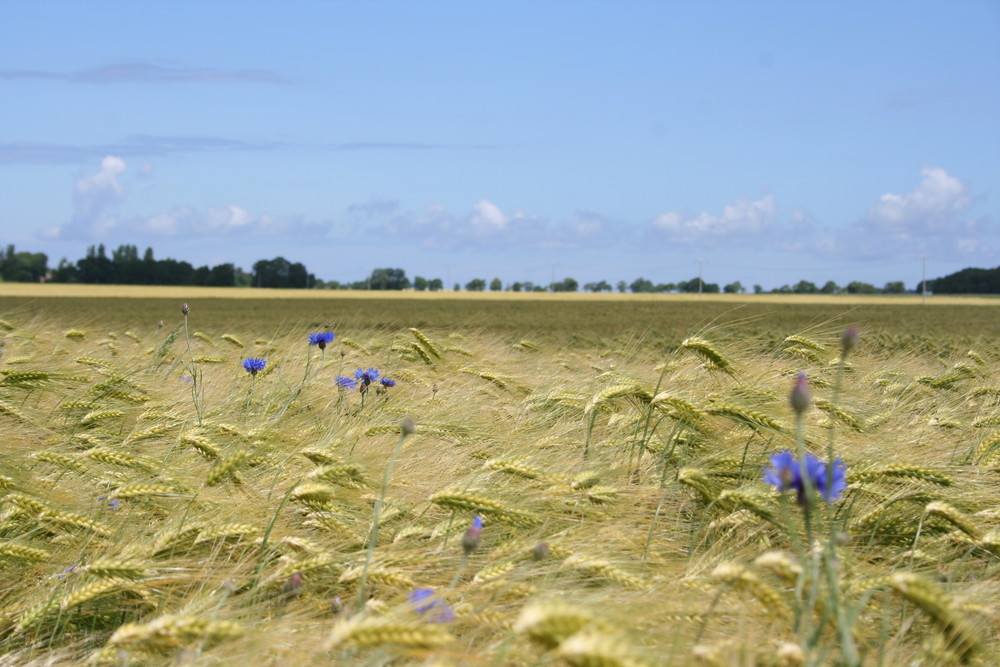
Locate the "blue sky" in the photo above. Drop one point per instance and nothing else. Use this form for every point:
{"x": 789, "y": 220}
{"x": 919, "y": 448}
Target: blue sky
{"x": 773, "y": 141}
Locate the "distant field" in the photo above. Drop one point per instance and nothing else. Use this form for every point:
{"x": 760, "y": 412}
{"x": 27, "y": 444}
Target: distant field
{"x": 659, "y": 319}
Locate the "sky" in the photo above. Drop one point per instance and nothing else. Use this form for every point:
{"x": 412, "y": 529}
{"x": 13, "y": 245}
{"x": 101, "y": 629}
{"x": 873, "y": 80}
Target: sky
{"x": 765, "y": 142}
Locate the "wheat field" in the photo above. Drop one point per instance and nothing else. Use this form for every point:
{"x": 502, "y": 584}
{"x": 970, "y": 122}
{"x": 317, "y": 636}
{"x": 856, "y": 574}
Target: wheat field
{"x": 510, "y": 498}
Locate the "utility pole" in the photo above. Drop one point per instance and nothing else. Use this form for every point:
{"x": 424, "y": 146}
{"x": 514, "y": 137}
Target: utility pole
{"x": 923, "y": 279}
{"x": 552, "y": 283}
{"x": 701, "y": 282}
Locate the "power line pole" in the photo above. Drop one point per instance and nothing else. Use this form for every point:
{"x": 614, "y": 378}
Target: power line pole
{"x": 923, "y": 279}
{"x": 701, "y": 282}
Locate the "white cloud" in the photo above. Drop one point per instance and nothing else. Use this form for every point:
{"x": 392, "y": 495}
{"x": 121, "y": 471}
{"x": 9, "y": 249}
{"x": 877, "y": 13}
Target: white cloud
{"x": 741, "y": 219}
{"x": 934, "y": 217}
{"x": 228, "y": 219}
{"x": 486, "y": 224}
{"x": 96, "y": 197}
{"x": 933, "y": 207}
{"x": 487, "y": 215}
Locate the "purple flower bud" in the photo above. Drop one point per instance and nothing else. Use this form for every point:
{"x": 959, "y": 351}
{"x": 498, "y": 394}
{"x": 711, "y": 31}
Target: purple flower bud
{"x": 799, "y": 398}
{"x": 185, "y": 309}
{"x": 470, "y": 541}
{"x": 293, "y": 587}
{"x": 849, "y": 341}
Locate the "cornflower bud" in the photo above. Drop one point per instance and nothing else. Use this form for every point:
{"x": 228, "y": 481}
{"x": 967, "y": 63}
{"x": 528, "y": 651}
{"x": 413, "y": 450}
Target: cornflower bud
{"x": 849, "y": 341}
{"x": 799, "y": 398}
{"x": 470, "y": 541}
{"x": 185, "y": 309}
{"x": 293, "y": 587}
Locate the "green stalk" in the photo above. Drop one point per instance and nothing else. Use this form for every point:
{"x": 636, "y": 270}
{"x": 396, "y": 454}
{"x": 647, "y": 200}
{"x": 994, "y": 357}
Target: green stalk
{"x": 373, "y": 536}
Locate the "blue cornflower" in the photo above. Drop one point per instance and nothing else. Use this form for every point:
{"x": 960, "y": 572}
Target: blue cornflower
{"x": 344, "y": 382}
{"x": 111, "y": 503}
{"x": 366, "y": 377}
{"x": 386, "y": 382}
{"x": 785, "y": 473}
{"x": 321, "y": 339}
{"x": 253, "y": 365}
{"x": 426, "y": 603}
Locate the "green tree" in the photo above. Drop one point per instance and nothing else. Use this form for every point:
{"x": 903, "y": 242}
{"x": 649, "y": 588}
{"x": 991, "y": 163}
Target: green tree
{"x": 435, "y": 285}
{"x": 388, "y": 279}
{"x": 496, "y": 285}
{"x": 830, "y": 287}
{"x": 895, "y": 287}
{"x": 565, "y": 285}
{"x": 601, "y": 286}
{"x": 734, "y": 288}
{"x": 476, "y": 285}
{"x": 967, "y": 281}
{"x": 640, "y": 285}
{"x": 805, "y": 287}
{"x": 22, "y": 267}
{"x": 857, "y": 287}
{"x": 419, "y": 283}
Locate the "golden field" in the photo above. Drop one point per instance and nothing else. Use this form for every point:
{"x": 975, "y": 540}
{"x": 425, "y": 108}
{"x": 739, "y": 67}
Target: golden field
{"x": 160, "y": 505}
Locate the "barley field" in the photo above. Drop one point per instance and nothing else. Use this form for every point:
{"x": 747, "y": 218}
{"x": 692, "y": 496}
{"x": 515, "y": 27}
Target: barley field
{"x": 449, "y": 481}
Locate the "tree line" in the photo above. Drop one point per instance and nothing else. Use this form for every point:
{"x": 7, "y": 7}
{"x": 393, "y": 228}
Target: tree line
{"x": 124, "y": 266}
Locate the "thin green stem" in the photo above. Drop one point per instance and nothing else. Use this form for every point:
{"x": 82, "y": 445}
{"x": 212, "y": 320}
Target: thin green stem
{"x": 373, "y": 536}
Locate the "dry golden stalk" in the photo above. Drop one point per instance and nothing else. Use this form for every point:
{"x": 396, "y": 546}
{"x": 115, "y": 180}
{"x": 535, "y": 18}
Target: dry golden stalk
{"x": 752, "y": 418}
{"x": 314, "y": 492}
{"x": 73, "y": 520}
{"x": 225, "y": 531}
{"x": 111, "y": 568}
{"x": 92, "y": 590}
{"x": 362, "y": 632}
{"x": 425, "y": 343}
{"x": 232, "y": 340}
{"x": 591, "y": 648}
{"x": 138, "y": 490}
{"x": 168, "y": 633}
{"x": 124, "y": 460}
{"x": 470, "y": 500}
{"x": 606, "y": 570}
{"x": 226, "y": 467}
{"x": 941, "y": 608}
{"x": 741, "y": 578}
{"x": 150, "y": 432}
{"x": 202, "y": 445}
{"x": 552, "y": 623}
{"x": 714, "y": 359}
{"x": 954, "y": 517}
{"x": 21, "y": 553}
{"x": 905, "y": 471}
{"x": 61, "y": 460}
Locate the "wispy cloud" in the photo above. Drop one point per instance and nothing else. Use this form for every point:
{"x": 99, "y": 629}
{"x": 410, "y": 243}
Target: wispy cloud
{"x": 744, "y": 220}
{"x": 139, "y": 72}
{"x": 935, "y": 217}
{"x": 23, "y": 152}
{"x": 26, "y": 152}
{"x": 487, "y": 225}
{"x": 98, "y": 194}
